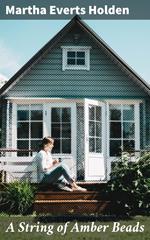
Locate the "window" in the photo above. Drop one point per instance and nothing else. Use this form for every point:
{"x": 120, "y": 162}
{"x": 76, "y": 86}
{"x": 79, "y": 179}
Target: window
{"x": 61, "y": 129}
{"x": 122, "y": 129}
{"x": 29, "y": 127}
{"x": 76, "y": 58}
{"x": 95, "y": 129}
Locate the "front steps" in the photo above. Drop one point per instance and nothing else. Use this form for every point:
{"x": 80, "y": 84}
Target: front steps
{"x": 62, "y": 195}
{"x": 57, "y": 202}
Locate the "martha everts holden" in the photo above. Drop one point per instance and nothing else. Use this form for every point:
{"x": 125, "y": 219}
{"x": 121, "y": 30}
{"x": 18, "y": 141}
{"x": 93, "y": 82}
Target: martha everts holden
{"x": 24, "y": 227}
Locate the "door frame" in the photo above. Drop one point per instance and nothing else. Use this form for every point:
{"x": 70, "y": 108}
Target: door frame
{"x": 86, "y": 134}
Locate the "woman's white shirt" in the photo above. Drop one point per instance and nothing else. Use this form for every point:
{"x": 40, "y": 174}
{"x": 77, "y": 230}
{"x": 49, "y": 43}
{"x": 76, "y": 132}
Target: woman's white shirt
{"x": 44, "y": 160}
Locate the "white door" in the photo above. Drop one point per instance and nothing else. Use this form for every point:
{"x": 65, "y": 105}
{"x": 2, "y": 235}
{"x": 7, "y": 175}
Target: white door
{"x": 94, "y": 123}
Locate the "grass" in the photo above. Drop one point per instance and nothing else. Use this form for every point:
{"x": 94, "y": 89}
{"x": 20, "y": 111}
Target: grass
{"x": 56, "y": 223}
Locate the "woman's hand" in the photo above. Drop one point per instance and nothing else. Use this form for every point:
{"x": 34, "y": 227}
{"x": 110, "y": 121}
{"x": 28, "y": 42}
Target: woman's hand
{"x": 55, "y": 161}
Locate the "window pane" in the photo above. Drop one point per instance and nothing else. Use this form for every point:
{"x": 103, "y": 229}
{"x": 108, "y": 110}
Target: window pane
{"x": 115, "y": 112}
{"x": 71, "y": 54}
{"x": 115, "y": 130}
{"x": 98, "y": 113}
{"x": 56, "y": 148}
{"x": 36, "y": 115}
{"x": 66, "y": 130}
{"x": 80, "y": 54}
{"x": 55, "y": 130}
{"x": 98, "y": 145}
{"x": 128, "y": 112}
{"x": 98, "y": 129}
{"x": 56, "y": 115}
{"x": 35, "y": 145}
{"x": 128, "y": 145}
{"x": 22, "y": 130}
{"x": 23, "y": 145}
{"x": 71, "y": 61}
{"x": 66, "y": 146}
{"x": 80, "y": 61}
{"x": 66, "y": 115}
{"x": 23, "y": 115}
{"x": 91, "y": 128}
{"x": 36, "y": 130}
{"x": 91, "y": 145}
{"x": 91, "y": 112}
{"x": 115, "y": 148}
{"x": 128, "y": 130}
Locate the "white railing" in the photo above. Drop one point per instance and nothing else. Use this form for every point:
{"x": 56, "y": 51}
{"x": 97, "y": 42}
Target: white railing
{"x": 17, "y": 168}
{"x": 24, "y": 167}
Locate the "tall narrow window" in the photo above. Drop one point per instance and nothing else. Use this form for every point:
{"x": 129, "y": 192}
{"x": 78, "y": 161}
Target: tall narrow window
{"x": 122, "y": 129}
{"x": 29, "y": 127}
{"x": 61, "y": 129}
{"x": 95, "y": 129}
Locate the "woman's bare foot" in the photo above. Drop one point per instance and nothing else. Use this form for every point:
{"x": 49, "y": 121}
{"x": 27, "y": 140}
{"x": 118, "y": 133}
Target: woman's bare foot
{"x": 78, "y": 188}
{"x": 75, "y": 187}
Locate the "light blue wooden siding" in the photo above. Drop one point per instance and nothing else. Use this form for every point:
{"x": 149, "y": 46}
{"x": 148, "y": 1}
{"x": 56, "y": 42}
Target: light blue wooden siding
{"x": 104, "y": 80}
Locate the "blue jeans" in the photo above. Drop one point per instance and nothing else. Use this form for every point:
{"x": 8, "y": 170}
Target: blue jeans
{"x": 58, "y": 173}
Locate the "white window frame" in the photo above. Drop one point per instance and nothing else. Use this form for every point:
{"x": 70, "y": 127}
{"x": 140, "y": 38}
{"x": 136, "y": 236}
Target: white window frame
{"x": 65, "y": 50}
{"x": 136, "y": 105}
{"x": 15, "y": 121}
{"x": 47, "y": 124}
{"x": 70, "y": 158}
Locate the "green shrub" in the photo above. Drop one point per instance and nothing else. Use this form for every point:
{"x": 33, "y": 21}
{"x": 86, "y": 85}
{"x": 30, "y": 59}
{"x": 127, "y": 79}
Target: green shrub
{"x": 129, "y": 185}
{"x": 18, "y": 197}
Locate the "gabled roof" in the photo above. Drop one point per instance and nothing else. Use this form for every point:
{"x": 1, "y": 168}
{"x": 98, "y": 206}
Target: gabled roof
{"x": 48, "y": 46}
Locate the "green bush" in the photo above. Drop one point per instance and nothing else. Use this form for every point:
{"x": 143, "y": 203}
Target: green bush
{"x": 129, "y": 185}
{"x": 18, "y": 197}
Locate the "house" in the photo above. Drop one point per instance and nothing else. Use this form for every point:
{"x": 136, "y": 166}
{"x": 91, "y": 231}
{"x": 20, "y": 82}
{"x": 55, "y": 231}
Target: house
{"x": 79, "y": 91}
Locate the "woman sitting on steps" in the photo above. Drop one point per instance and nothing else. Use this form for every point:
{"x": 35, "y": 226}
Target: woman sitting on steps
{"x": 53, "y": 171}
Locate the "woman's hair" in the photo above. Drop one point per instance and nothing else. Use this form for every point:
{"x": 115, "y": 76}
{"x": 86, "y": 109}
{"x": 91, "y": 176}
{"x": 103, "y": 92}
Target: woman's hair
{"x": 45, "y": 141}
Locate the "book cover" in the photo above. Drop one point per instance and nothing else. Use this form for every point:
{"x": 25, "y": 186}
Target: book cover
{"x": 74, "y": 119}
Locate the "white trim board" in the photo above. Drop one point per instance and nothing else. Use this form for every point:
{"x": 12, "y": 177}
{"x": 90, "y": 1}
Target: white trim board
{"x": 123, "y": 101}
{"x": 20, "y": 100}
